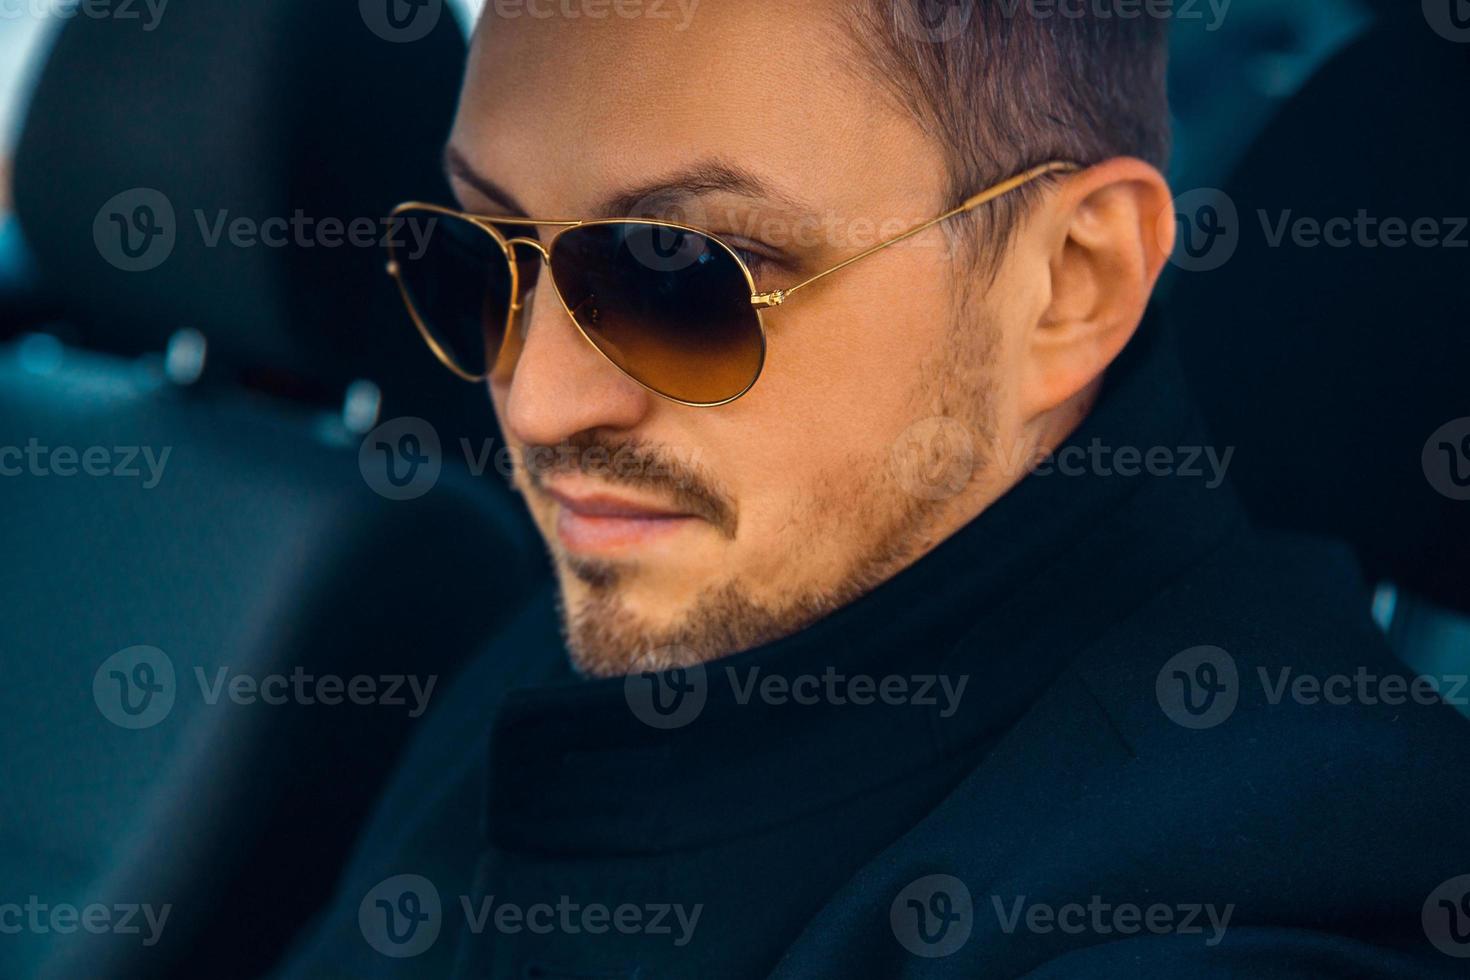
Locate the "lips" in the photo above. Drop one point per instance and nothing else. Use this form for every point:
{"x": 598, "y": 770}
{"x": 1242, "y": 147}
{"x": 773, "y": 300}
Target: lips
{"x": 602, "y": 523}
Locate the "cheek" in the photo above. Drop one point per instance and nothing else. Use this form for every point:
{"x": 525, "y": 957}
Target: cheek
{"x": 846, "y": 364}
{"x": 843, "y": 378}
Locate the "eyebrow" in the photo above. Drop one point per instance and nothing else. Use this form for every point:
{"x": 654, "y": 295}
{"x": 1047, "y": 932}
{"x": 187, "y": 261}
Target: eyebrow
{"x": 704, "y": 177}
{"x": 455, "y": 165}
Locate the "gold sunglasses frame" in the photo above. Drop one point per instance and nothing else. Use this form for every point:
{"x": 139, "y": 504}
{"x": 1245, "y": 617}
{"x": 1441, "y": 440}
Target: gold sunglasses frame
{"x": 758, "y": 299}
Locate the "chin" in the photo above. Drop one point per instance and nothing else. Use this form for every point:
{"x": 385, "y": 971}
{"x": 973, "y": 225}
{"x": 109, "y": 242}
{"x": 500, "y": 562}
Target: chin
{"x": 622, "y": 590}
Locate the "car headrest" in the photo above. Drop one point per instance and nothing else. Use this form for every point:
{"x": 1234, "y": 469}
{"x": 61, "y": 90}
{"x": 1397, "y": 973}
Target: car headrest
{"x": 206, "y": 168}
{"x": 1323, "y": 320}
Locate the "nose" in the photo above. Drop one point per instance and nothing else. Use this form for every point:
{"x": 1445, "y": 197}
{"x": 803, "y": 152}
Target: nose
{"x": 562, "y": 385}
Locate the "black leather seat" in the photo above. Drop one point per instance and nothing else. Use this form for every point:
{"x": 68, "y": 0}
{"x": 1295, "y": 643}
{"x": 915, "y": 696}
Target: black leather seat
{"x": 1334, "y": 362}
{"x": 300, "y": 123}
{"x": 268, "y": 541}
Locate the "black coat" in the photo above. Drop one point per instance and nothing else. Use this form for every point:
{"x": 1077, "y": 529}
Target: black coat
{"x": 1181, "y": 748}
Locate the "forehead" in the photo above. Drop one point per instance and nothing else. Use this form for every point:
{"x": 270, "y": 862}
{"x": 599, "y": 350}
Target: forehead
{"x": 562, "y": 110}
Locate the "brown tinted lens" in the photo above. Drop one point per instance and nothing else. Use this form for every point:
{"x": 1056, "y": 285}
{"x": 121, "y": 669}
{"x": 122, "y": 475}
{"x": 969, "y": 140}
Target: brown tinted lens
{"x": 670, "y": 307}
{"x": 457, "y": 281}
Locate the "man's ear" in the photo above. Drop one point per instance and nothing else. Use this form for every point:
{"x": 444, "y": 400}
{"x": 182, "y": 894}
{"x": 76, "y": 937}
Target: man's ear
{"x": 1109, "y": 233}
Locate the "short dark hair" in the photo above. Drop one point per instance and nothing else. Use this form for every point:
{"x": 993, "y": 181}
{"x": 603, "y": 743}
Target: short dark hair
{"x": 1008, "y": 84}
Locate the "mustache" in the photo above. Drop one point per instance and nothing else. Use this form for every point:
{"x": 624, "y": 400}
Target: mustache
{"x": 635, "y": 464}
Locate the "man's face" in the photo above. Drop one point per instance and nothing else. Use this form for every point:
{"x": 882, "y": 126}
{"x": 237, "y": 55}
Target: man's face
{"x": 717, "y": 529}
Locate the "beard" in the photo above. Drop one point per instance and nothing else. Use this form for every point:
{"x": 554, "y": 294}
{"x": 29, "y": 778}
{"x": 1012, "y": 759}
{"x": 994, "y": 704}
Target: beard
{"x": 904, "y": 501}
{"x": 607, "y": 639}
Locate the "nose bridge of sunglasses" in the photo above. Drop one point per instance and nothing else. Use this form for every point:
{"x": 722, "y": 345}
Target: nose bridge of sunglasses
{"x": 529, "y": 277}
{"x": 529, "y": 243}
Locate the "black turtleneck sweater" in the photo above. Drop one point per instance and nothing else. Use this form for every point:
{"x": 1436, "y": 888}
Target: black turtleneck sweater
{"x": 1057, "y": 745}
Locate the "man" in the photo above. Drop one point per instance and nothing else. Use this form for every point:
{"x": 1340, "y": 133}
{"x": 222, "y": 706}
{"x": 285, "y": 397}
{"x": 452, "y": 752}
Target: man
{"x": 906, "y": 628}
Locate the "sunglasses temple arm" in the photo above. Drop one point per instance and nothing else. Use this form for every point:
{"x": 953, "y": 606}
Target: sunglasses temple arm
{"x": 776, "y": 297}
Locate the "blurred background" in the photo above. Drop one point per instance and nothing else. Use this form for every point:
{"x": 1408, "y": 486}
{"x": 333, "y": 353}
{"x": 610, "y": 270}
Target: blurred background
{"x": 242, "y": 460}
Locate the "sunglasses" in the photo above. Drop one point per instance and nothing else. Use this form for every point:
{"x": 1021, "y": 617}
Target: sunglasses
{"x": 674, "y": 308}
